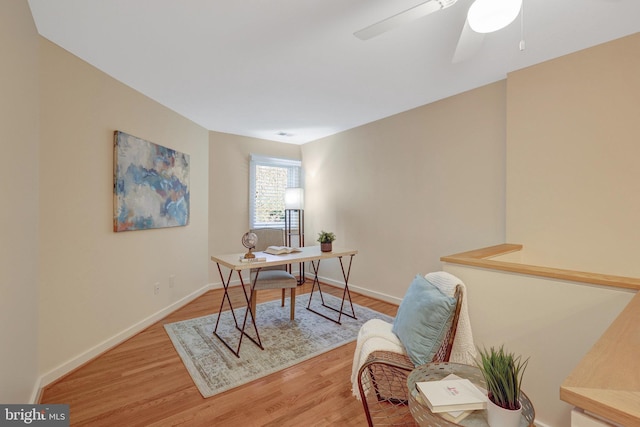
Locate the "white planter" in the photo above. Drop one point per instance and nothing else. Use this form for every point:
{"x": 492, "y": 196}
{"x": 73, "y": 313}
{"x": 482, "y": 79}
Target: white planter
{"x": 500, "y": 417}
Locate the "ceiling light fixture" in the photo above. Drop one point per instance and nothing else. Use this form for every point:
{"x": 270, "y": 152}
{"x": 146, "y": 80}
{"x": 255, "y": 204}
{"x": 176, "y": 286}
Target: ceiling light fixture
{"x": 487, "y": 16}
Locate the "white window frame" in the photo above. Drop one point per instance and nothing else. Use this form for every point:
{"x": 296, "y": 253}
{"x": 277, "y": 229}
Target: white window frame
{"x": 295, "y": 178}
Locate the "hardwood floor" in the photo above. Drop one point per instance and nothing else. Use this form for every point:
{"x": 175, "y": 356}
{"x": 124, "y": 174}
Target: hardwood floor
{"x": 142, "y": 382}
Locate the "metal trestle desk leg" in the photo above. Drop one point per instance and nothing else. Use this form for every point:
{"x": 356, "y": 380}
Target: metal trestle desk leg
{"x": 345, "y": 294}
{"x": 248, "y": 312}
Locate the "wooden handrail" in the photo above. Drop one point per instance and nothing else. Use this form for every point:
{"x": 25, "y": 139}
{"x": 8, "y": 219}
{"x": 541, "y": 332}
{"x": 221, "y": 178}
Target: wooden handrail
{"x": 606, "y": 381}
{"x": 479, "y": 258}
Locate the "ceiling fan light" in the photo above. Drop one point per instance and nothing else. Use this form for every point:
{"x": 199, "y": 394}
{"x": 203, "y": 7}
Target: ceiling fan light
{"x": 487, "y": 16}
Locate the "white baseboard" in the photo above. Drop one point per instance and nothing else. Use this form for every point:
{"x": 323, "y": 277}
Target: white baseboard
{"x": 119, "y": 338}
{"x": 36, "y": 393}
{"x": 332, "y": 282}
{"x": 124, "y": 335}
{"x": 358, "y": 289}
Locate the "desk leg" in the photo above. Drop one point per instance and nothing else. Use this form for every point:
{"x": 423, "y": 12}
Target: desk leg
{"x": 345, "y": 293}
{"x": 225, "y": 285}
{"x": 225, "y": 297}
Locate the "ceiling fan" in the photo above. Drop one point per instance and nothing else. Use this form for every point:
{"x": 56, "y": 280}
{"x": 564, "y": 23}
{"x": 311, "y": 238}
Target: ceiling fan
{"x": 484, "y": 16}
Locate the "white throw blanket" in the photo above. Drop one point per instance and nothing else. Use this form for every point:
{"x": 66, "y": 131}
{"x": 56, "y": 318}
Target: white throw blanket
{"x": 464, "y": 349}
{"x": 376, "y": 334}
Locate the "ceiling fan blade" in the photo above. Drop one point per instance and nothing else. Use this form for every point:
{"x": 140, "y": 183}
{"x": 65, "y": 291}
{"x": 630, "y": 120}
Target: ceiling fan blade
{"x": 468, "y": 44}
{"x": 402, "y": 18}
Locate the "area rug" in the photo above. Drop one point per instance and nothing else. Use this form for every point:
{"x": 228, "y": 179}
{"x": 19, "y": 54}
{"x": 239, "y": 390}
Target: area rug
{"x": 215, "y": 369}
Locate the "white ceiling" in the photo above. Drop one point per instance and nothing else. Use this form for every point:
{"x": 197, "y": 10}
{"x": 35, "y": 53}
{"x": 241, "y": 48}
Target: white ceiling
{"x": 259, "y": 68}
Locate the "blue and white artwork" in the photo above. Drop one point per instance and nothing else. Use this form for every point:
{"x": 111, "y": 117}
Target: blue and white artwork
{"x": 151, "y": 185}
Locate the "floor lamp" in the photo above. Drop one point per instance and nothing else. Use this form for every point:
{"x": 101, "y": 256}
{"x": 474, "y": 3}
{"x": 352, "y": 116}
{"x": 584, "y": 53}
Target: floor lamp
{"x": 294, "y": 222}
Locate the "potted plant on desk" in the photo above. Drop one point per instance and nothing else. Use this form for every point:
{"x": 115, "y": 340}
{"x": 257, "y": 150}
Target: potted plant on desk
{"x": 503, "y": 373}
{"x": 326, "y": 238}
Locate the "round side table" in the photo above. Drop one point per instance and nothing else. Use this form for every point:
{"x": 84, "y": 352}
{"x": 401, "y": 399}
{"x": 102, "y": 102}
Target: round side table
{"x": 437, "y": 371}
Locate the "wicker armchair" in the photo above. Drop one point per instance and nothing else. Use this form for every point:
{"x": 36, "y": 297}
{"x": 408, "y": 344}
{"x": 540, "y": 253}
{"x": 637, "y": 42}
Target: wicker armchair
{"x": 382, "y": 379}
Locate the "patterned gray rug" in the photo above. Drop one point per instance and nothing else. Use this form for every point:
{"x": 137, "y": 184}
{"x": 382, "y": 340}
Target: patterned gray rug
{"x": 215, "y": 369}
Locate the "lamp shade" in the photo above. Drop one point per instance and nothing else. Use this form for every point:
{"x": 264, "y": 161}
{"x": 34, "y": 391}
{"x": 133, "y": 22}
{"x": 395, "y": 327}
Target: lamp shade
{"x": 487, "y": 16}
{"x": 294, "y": 198}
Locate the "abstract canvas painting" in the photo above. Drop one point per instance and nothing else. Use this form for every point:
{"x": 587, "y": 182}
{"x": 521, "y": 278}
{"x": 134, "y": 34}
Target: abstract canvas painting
{"x": 150, "y": 185}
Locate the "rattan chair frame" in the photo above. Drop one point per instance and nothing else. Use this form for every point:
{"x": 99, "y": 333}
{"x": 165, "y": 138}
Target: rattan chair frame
{"x": 382, "y": 379}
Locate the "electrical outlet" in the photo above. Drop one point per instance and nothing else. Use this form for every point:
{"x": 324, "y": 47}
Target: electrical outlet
{"x": 172, "y": 280}
{"x": 156, "y": 288}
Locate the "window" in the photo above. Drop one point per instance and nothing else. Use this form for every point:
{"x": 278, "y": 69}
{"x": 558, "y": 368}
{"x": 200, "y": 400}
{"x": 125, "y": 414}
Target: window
{"x": 269, "y": 177}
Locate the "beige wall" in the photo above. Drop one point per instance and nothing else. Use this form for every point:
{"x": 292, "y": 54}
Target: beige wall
{"x": 573, "y": 181}
{"x": 410, "y": 188}
{"x": 19, "y": 212}
{"x": 97, "y": 285}
{"x": 229, "y": 189}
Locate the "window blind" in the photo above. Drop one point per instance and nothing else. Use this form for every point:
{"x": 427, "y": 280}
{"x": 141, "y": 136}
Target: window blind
{"x": 269, "y": 177}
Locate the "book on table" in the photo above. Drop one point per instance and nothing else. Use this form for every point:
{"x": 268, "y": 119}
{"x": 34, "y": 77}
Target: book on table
{"x": 279, "y": 250}
{"x": 452, "y": 395}
{"x": 453, "y": 416}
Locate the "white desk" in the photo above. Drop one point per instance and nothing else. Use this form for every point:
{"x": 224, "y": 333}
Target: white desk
{"x": 310, "y": 253}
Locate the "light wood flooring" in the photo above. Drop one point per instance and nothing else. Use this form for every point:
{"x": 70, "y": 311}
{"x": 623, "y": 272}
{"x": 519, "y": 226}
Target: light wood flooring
{"x": 142, "y": 382}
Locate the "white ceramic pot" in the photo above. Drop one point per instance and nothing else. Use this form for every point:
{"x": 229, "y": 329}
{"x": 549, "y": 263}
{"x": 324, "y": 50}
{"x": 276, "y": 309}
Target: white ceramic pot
{"x": 500, "y": 417}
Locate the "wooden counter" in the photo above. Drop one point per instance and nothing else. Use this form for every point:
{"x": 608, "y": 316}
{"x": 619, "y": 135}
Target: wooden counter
{"x": 606, "y": 382}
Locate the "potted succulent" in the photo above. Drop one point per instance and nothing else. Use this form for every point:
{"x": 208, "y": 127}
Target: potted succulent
{"x": 502, "y": 371}
{"x": 326, "y": 238}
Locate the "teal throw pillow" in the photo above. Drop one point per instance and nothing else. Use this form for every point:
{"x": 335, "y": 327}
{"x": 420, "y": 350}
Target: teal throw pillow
{"x": 423, "y": 319}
